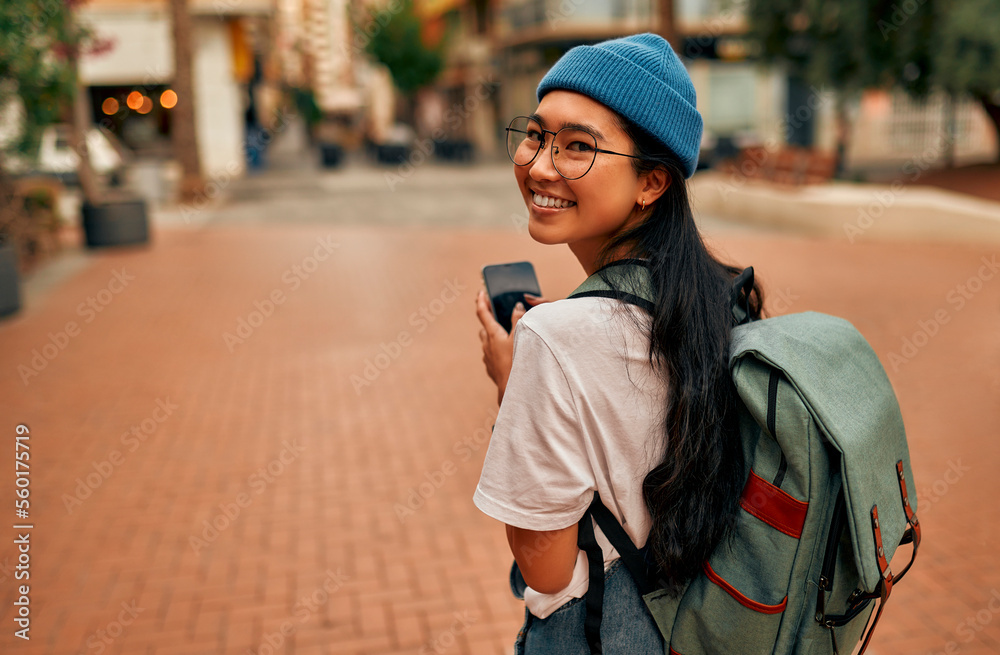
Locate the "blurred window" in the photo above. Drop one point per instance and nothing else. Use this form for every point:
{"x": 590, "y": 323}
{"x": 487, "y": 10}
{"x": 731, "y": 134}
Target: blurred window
{"x": 732, "y": 98}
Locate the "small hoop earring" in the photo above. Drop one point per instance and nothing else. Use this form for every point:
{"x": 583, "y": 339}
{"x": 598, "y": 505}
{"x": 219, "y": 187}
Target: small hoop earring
{"x": 643, "y": 205}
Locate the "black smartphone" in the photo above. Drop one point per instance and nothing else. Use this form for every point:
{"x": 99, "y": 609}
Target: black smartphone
{"x": 506, "y": 285}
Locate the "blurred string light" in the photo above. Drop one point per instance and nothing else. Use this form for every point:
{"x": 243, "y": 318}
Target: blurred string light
{"x": 109, "y": 106}
{"x": 146, "y": 106}
{"x": 168, "y": 99}
{"x": 134, "y": 100}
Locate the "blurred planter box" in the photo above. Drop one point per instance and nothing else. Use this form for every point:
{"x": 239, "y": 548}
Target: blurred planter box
{"x": 117, "y": 222}
{"x": 454, "y": 150}
{"x": 391, "y": 153}
{"x": 331, "y": 155}
{"x": 10, "y": 281}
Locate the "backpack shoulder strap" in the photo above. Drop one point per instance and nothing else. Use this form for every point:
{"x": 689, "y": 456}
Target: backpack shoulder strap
{"x": 627, "y": 280}
{"x": 630, "y": 280}
{"x": 633, "y": 558}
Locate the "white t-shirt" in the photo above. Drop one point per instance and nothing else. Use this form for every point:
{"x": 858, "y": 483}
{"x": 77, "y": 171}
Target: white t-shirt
{"x": 583, "y": 410}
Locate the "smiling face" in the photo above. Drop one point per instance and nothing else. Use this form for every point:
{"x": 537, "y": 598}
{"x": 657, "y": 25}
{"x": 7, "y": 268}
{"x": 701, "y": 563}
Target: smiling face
{"x": 588, "y": 211}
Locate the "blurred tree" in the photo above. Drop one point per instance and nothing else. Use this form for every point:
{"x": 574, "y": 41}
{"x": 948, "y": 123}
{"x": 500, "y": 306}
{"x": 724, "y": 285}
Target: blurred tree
{"x": 918, "y": 45}
{"x": 964, "y": 57}
{"x": 830, "y": 45}
{"x": 36, "y": 83}
{"x": 40, "y": 45}
{"x": 399, "y": 44}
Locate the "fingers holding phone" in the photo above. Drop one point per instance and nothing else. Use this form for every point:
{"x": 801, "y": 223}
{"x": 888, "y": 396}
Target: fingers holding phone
{"x": 498, "y": 345}
{"x": 511, "y": 289}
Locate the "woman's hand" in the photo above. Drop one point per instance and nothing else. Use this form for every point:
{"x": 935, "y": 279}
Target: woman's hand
{"x": 498, "y": 344}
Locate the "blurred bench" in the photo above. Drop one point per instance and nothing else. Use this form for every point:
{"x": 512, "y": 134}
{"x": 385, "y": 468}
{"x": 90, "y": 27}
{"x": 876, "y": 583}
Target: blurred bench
{"x": 789, "y": 165}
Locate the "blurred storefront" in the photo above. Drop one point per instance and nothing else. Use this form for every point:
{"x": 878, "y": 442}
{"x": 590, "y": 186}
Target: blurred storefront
{"x": 130, "y": 85}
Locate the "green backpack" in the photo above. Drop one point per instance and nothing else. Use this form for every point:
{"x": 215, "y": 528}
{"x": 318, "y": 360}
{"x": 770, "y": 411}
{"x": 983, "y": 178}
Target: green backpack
{"x": 825, "y": 504}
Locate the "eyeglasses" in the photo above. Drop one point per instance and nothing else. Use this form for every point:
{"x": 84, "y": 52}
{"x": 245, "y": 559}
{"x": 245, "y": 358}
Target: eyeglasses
{"x": 573, "y": 150}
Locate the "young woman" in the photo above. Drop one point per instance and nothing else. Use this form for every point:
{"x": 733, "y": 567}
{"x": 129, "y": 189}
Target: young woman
{"x": 599, "y": 395}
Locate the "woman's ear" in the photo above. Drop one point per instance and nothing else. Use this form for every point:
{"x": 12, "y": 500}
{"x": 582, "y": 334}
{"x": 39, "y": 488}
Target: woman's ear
{"x": 654, "y": 184}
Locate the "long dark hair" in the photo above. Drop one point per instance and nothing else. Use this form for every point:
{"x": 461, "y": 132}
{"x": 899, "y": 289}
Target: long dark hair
{"x": 693, "y": 494}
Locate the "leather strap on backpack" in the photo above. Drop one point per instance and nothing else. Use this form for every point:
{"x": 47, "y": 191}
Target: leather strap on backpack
{"x": 860, "y": 600}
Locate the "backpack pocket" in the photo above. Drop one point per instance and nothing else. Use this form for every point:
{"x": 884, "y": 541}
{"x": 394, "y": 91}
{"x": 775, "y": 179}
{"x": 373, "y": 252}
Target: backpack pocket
{"x": 737, "y": 604}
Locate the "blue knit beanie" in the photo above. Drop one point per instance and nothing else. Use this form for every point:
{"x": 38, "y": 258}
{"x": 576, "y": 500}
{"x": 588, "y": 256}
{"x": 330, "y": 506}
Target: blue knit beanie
{"x": 641, "y": 78}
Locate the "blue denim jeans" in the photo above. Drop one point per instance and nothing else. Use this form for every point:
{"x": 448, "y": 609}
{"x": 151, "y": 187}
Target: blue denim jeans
{"x": 626, "y": 627}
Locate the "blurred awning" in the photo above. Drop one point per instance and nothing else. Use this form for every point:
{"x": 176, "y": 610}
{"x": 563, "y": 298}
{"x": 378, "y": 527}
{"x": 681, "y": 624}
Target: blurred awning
{"x": 195, "y": 7}
{"x": 434, "y": 8}
{"x": 222, "y": 8}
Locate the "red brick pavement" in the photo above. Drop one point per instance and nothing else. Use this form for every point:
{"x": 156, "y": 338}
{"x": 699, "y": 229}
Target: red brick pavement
{"x": 317, "y": 466}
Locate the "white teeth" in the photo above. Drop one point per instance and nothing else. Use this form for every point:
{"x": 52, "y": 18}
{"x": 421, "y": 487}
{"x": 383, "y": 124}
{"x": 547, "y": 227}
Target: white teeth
{"x": 546, "y": 201}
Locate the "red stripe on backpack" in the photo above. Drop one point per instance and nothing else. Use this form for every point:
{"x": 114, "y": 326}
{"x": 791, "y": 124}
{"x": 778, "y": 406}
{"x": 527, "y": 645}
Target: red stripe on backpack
{"x": 773, "y": 506}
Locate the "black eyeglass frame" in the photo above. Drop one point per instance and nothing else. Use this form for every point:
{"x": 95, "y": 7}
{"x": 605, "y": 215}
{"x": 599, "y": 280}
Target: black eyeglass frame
{"x": 541, "y": 146}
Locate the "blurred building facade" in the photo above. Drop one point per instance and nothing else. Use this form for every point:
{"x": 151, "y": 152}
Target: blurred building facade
{"x": 738, "y": 100}
{"x": 498, "y": 51}
{"x": 130, "y": 85}
{"x": 315, "y": 45}
{"x": 463, "y": 106}
{"x": 742, "y": 102}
